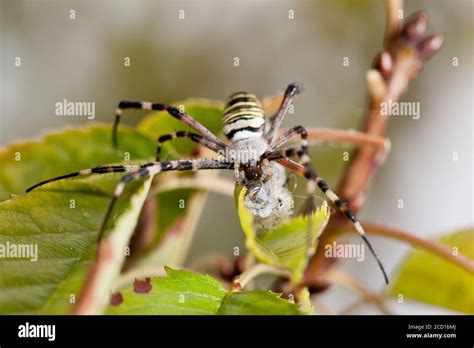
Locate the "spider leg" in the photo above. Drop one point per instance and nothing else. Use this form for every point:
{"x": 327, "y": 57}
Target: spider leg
{"x": 154, "y": 168}
{"x": 95, "y": 170}
{"x": 197, "y": 138}
{"x": 303, "y": 156}
{"x": 172, "y": 110}
{"x": 137, "y": 172}
{"x": 292, "y": 90}
{"x": 315, "y": 180}
{"x": 290, "y": 133}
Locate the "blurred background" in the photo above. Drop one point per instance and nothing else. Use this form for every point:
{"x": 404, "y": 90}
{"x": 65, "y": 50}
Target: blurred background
{"x": 82, "y": 59}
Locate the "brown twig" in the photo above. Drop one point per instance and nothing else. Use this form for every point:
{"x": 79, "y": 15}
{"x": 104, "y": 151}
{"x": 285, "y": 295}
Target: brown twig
{"x": 244, "y": 278}
{"x": 198, "y": 181}
{"x": 432, "y": 246}
{"x": 349, "y": 282}
{"x": 392, "y": 27}
{"x": 348, "y": 137}
{"x": 405, "y": 49}
{"x": 321, "y": 307}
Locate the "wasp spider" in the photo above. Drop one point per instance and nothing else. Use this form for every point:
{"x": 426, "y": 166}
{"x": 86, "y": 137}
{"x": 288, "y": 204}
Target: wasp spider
{"x": 253, "y": 154}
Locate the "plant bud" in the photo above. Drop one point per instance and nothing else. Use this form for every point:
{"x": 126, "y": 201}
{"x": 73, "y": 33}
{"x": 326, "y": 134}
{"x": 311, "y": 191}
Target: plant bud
{"x": 383, "y": 62}
{"x": 429, "y": 46}
{"x": 415, "y": 27}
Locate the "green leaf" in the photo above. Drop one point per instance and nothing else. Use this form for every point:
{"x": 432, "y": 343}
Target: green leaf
{"x": 181, "y": 292}
{"x": 428, "y": 278}
{"x": 185, "y": 292}
{"x": 65, "y": 239}
{"x": 62, "y": 218}
{"x": 286, "y": 246}
{"x": 25, "y": 164}
{"x": 257, "y": 302}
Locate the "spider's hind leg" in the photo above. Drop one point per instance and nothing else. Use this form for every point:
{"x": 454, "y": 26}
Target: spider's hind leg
{"x": 302, "y": 155}
{"x": 314, "y": 181}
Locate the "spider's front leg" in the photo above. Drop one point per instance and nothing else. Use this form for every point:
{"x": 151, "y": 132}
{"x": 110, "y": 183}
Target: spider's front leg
{"x": 136, "y": 172}
{"x": 291, "y": 92}
{"x": 170, "y": 109}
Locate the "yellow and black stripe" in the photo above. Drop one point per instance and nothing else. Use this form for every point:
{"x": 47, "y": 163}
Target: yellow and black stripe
{"x": 243, "y": 117}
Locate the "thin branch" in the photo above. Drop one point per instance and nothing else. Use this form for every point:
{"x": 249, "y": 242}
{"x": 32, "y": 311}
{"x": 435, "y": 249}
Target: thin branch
{"x": 198, "y": 181}
{"x": 352, "y": 306}
{"x": 405, "y": 50}
{"x": 433, "y": 246}
{"x": 349, "y": 282}
{"x": 394, "y": 7}
{"x": 322, "y": 307}
{"x": 348, "y": 137}
{"x": 255, "y": 271}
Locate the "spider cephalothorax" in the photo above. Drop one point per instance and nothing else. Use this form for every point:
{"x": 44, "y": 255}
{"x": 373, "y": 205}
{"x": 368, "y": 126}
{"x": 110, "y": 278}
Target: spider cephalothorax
{"x": 253, "y": 153}
{"x": 253, "y": 173}
{"x": 267, "y": 197}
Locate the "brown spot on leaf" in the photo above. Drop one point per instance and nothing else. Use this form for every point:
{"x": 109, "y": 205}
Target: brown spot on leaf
{"x": 116, "y": 299}
{"x": 142, "y": 286}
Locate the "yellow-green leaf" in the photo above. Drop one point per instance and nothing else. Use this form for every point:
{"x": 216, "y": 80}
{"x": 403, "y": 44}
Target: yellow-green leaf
{"x": 290, "y": 244}
{"x": 257, "y": 302}
{"x": 428, "y": 278}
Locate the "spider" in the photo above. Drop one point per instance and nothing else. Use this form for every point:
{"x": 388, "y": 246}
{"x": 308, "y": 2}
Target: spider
{"x": 253, "y": 154}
